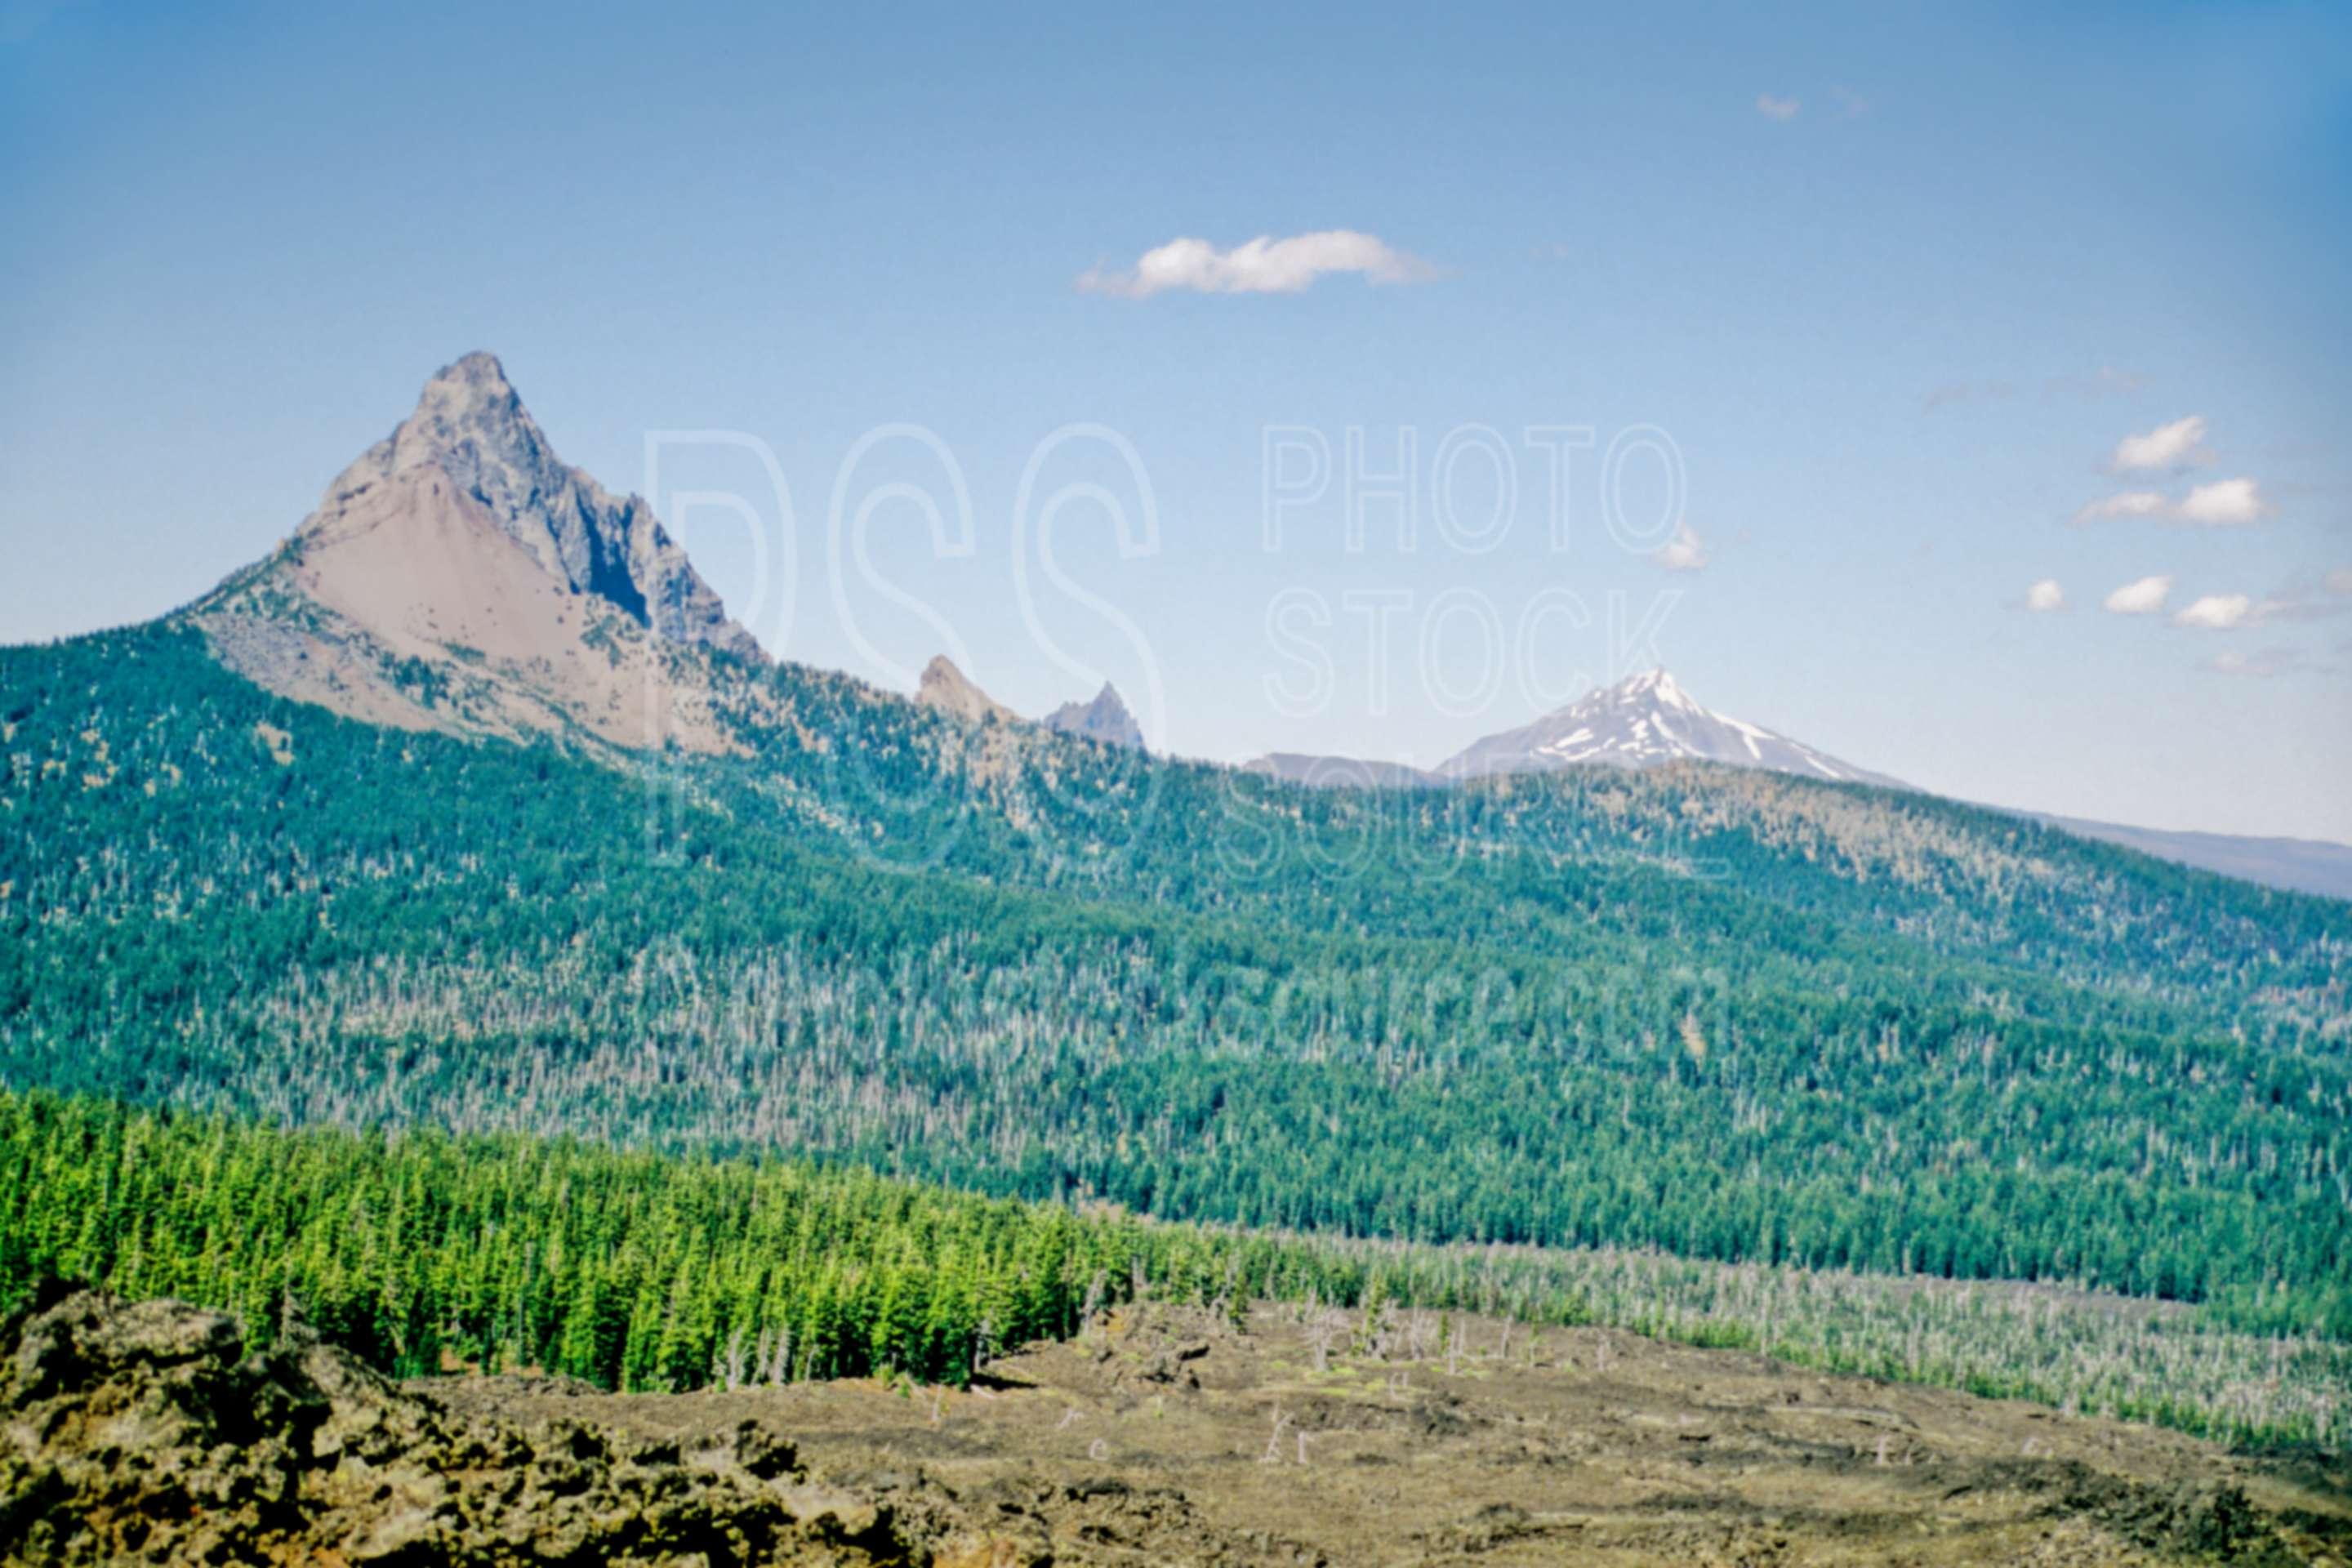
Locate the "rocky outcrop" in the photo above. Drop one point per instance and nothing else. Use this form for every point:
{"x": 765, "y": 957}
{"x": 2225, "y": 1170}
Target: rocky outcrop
{"x": 150, "y": 1433}
{"x": 947, "y": 689}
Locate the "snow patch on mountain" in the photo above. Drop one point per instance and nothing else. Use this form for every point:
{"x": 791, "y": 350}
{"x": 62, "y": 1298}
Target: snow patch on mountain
{"x": 1642, "y": 722}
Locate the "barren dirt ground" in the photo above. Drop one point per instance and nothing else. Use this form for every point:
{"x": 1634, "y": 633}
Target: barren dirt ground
{"x": 1170, "y": 1437}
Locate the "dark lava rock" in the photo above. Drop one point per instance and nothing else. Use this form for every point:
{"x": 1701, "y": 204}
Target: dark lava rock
{"x": 148, "y": 1433}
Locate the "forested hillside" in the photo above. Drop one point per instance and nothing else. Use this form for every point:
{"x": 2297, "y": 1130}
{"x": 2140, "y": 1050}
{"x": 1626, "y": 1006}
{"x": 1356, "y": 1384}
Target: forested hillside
{"x": 644, "y": 1271}
{"x": 1735, "y": 1016}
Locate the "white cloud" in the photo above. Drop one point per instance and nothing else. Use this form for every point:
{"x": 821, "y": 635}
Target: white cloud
{"x": 2144, "y": 598}
{"x": 2225, "y": 503}
{"x": 1264, "y": 266}
{"x": 1850, "y": 104}
{"x": 2340, "y": 581}
{"x": 2131, "y": 504}
{"x": 2045, "y": 596}
{"x": 2167, "y": 446}
{"x": 2218, "y": 613}
{"x": 1781, "y": 109}
{"x": 1682, "y": 552}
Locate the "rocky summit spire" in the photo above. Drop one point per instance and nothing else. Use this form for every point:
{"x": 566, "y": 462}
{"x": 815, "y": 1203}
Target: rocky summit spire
{"x": 470, "y": 427}
{"x": 460, "y": 576}
{"x": 1105, "y": 719}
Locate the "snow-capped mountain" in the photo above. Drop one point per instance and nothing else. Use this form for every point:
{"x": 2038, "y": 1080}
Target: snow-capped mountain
{"x": 1641, "y": 721}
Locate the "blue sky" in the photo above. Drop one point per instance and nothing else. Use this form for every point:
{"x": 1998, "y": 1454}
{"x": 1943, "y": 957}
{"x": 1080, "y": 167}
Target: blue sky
{"x": 1896, "y": 281}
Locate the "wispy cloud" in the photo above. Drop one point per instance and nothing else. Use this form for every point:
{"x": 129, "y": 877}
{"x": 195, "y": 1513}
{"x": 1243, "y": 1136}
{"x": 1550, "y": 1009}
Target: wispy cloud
{"x": 2178, "y": 444}
{"x": 2131, "y": 504}
{"x": 1781, "y": 109}
{"x": 2046, "y": 597}
{"x": 1850, "y": 104}
{"x": 1263, "y": 265}
{"x": 2145, "y": 597}
{"x": 1683, "y": 553}
{"x": 2261, "y": 665}
{"x": 2300, "y": 602}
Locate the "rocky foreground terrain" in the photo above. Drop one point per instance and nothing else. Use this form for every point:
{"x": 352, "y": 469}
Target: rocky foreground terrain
{"x": 148, "y": 1432}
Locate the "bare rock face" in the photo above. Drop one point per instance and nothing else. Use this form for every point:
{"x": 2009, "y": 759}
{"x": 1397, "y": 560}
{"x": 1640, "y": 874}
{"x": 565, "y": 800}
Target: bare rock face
{"x": 459, "y": 576}
{"x": 471, "y": 429}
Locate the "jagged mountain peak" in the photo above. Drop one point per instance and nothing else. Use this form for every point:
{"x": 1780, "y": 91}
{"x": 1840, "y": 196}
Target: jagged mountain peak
{"x": 460, "y": 575}
{"x": 1105, "y": 718}
{"x": 470, "y": 429}
{"x": 469, "y": 421}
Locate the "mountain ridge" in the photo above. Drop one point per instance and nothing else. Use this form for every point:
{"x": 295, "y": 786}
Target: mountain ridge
{"x": 1647, "y": 720}
{"x": 458, "y": 576}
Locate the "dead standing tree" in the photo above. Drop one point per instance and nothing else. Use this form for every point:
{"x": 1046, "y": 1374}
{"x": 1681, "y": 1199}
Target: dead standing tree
{"x": 1323, "y": 1328}
{"x": 1273, "y": 1455}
